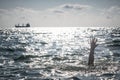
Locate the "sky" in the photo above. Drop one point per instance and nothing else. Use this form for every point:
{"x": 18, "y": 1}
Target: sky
{"x": 60, "y": 13}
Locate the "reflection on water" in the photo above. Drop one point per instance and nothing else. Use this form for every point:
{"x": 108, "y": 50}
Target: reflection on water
{"x": 59, "y": 53}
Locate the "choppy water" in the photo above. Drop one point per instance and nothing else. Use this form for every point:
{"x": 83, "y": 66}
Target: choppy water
{"x": 59, "y": 54}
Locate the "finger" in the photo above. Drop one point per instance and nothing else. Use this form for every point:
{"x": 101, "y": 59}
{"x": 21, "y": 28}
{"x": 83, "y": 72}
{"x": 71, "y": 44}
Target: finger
{"x": 90, "y": 40}
{"x": 95, "y": 40}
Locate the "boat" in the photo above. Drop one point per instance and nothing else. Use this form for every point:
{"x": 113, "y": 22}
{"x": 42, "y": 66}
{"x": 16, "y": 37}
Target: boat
{"x": 18, "y": 26}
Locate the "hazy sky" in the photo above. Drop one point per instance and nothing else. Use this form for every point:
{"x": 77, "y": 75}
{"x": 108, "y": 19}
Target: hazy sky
{"x": 73, "y": 13}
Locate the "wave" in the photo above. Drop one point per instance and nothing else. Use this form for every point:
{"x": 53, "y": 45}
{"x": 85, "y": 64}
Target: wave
{"x": 8, "y": 49}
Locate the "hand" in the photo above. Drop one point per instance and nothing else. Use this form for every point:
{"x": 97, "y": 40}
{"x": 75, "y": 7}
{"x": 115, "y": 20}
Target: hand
{"x": 93, "y": 44}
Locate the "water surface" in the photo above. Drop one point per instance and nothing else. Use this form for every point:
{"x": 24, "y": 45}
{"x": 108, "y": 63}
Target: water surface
{"x": 59, "y": 53}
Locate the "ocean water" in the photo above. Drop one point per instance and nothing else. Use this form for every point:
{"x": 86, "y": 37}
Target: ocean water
{"x": 50, "y": 53}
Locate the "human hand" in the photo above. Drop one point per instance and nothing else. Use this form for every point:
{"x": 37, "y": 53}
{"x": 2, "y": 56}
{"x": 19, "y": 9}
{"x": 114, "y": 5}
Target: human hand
{"x": 93, "y": 44}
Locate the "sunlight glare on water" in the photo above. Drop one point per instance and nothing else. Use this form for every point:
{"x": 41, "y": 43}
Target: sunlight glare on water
{"x": 58, "y": 53}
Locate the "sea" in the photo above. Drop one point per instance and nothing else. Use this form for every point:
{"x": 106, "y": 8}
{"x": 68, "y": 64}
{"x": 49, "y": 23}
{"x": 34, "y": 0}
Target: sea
{"x": 59, "y": 53}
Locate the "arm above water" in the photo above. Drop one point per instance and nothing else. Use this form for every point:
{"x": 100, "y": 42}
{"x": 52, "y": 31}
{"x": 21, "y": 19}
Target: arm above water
{"x": 93, "y": 45}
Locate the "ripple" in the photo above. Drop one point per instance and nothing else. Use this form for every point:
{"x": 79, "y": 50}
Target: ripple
{"x": 32, "y": 54}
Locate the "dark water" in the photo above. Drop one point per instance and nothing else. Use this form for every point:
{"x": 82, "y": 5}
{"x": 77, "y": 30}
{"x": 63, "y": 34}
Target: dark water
{"x": 59, "y": 54}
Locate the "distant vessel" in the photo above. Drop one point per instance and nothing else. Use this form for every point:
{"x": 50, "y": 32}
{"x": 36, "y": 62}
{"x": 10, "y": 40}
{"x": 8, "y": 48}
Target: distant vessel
{"x": 21, "y": 26}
